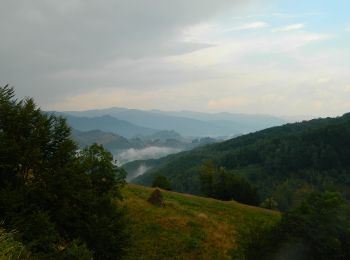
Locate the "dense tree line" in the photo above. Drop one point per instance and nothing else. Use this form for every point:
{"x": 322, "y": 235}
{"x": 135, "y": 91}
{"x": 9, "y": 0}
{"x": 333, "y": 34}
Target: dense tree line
{"x": 63, "y": 203}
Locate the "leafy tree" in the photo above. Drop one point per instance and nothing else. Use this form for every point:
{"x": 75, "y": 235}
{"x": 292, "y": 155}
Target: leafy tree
{"x": 322, "y": 224}
{"x": 269, "y": 203}
{"x": 161, "y": 182}
{"x": 319, "y": 228}
{"x": 220, "y": 184}
{"x": 52, "y": 194}
{"x": 206, "y": 178}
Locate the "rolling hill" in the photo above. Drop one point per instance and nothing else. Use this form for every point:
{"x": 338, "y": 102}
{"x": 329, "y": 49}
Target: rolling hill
{"x": 188, "y": 227}
{"x": 107, "y": 139}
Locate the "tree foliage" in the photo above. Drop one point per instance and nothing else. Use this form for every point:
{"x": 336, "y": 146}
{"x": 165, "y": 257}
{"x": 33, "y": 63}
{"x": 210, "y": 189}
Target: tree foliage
{"x": 10, "y": 248}
{"x": 321, "y": 224}
{"x": 220, "y": 184}
{"x": 161, "y": 182}
{"x": 319, "y": 228}
{"x": 52, "y": 194}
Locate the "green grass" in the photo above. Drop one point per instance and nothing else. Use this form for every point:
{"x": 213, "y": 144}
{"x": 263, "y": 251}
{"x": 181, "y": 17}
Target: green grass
{"x": 10, "y": 248}
{"x": 188, "y": 227}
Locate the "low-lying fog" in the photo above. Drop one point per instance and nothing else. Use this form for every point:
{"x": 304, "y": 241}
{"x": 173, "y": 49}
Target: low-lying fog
{"x": 152, "y": 152}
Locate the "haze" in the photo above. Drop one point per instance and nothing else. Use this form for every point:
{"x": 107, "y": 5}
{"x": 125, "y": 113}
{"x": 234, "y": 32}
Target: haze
{"x": 268, "y": 57}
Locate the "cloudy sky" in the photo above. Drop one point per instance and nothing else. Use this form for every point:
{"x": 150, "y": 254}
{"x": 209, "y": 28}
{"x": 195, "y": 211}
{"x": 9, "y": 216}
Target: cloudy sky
{"x": 275, "y": 57}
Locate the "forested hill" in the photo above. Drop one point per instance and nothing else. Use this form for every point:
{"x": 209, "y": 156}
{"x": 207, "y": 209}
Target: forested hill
{"x": 284, "y": 163}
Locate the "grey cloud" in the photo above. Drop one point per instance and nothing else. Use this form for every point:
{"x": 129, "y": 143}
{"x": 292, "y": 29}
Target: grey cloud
{"x": 42, "y": 38}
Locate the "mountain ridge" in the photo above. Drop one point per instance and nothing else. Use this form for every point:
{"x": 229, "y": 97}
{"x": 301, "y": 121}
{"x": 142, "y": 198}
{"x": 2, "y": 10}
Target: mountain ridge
{"x": 194, "y": 124}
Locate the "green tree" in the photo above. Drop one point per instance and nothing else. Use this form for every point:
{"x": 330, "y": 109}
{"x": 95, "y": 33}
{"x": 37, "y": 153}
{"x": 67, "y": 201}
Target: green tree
{"x": 162, "y": 182}
{"x": 322, "y": 224}
{"x": 269, "y": 203}
{"x": 52, "y": 194}
{"x": 319, "y": 228}
{"x": 207, "y": 171}
{"x": 221, "y": 184}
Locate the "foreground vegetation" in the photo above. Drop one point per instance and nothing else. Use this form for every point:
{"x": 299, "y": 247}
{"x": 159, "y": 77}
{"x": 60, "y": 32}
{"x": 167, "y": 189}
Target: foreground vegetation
{"x": 192, "y": 227}
{"x": 319, "y": 228}
{"x": 189, "y": 227}
{"x": 61, "y": 204}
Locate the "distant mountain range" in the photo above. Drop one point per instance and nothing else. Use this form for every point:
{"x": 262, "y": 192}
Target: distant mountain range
{"x": 133, "y": 122}
{"x": 107, "y": 123}
{"x": 115, "y": 142}
{"x": 132, "y": 134}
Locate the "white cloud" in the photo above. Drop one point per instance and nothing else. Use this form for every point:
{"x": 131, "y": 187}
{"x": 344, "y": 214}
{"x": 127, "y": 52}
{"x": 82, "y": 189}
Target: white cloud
{"x": 152, "y": 152}
{"x": 201, "y": 32}
{"x": 211, "y": 32}
{"x": 324, "y": 80}
{"x": 291, "y": 27}
{"x": 346, "y": 88}
{"x": 232, "y": 50}
{"x": 249, "y": 26}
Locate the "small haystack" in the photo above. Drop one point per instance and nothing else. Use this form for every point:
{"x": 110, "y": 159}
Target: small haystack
{"x": 156, "y": 198}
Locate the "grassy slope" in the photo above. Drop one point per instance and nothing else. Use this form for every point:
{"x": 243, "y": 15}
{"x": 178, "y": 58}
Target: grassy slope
{"x": 189, "y": 227}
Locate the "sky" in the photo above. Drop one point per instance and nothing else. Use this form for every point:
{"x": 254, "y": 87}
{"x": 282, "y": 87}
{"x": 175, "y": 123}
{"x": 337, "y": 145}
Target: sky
{"x": 284, "y": 58}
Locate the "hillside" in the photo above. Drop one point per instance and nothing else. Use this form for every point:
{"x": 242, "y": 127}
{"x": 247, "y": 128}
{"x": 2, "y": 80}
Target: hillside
{"x": 188, "y": 227}
{"x": 284, "y": 162}
{"x": 107, "y": 139}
